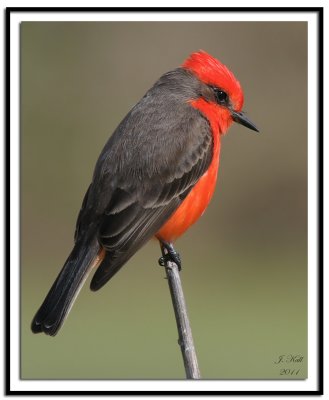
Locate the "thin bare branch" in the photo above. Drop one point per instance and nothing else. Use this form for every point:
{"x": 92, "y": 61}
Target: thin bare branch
{"x": 183, "y": 324}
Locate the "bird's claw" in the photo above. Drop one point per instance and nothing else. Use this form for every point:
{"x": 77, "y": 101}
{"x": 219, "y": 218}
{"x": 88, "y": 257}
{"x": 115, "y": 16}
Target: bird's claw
{"x": 174, "y": 257}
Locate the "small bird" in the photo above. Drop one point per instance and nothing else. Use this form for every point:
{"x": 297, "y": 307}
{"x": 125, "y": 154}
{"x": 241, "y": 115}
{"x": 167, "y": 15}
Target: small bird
{"x": 154, "y": 178}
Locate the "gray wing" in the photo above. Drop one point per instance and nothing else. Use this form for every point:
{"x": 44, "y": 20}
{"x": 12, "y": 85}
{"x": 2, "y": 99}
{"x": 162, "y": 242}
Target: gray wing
{"x": 145, "y": 171}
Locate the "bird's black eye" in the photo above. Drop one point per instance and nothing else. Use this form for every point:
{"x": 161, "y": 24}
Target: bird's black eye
{"x": 221, "y": 96}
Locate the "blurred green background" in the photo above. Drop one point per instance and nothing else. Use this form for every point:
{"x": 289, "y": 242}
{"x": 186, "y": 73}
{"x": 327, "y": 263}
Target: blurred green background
{"x": 244, "y": 263}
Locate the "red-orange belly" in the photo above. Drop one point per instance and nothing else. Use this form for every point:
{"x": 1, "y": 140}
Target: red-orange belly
{"x": 195, "y": 203}
{"x": 199, "y": 197}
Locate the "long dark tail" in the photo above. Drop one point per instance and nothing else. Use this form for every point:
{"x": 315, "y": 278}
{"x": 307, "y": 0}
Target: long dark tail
{"x": 66, "y": 287}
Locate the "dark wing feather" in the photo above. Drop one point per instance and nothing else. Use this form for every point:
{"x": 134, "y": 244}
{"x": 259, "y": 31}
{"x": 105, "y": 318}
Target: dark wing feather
{"x": 124, "y": 232}
{"x": 146, "y": 226}
{"x": 146, "y": 169}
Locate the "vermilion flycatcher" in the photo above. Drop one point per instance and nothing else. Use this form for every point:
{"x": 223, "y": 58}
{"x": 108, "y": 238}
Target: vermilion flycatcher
{"x": 154, "y": 177}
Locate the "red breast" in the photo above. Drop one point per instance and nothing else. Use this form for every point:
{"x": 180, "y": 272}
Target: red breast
{"x": 199, "y": 197}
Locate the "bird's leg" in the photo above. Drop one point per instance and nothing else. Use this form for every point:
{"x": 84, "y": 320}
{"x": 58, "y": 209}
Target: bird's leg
{"x": 169, "y": 254}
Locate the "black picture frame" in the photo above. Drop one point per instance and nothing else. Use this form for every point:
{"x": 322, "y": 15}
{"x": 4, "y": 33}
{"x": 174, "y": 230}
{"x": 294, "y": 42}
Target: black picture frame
{"x": 319, "y": 12}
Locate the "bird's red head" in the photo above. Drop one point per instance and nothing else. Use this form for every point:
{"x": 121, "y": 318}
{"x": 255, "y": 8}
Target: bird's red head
{"x": 222, "y": 98}
{"x": 212, "y": 72}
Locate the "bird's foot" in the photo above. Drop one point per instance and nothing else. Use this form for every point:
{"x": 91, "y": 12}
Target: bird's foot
{"x": 170, "y": 255}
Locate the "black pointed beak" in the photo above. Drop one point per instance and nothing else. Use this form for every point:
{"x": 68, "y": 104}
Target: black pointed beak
{"x": 241, "y": 118}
